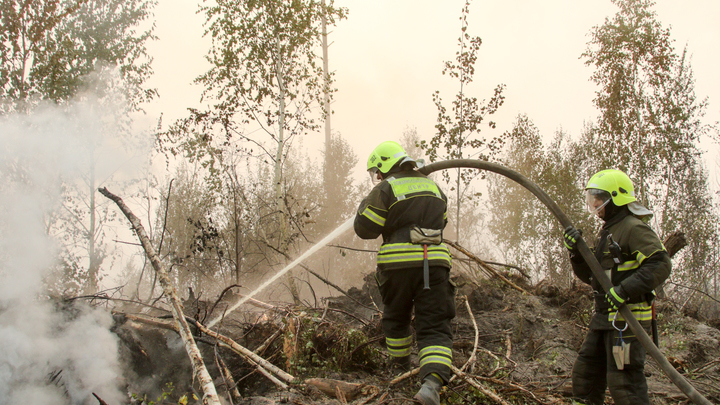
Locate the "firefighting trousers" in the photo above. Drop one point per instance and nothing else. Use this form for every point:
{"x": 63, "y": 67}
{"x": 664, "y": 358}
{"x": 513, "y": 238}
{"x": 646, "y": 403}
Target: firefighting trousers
{"x": 401, "y": 290}
{"x": 595, "y": 370}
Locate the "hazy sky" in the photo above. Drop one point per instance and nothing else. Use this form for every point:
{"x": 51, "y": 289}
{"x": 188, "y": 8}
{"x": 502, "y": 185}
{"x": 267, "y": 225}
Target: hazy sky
{"x": 388, "y": 58}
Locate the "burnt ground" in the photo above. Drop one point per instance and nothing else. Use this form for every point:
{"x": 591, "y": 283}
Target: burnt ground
{"x": 527, "y": 344}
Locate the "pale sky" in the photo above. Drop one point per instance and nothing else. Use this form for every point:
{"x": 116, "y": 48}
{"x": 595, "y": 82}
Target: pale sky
{"x": 388, "y": 58}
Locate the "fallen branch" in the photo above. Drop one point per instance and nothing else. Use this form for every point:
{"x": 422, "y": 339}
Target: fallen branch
{"x": 340, "y": 389}
{"x": 232, "y": 346}
{"x": 484, "y": 265}
{"x": 486, "y": 391}
{"x": 268, "y": 342}
{"x": 706, "y": 366}
{"x": 336, "y": 287}
{"x": 237, "y": 348}
{"x": 520, "y": 270}
{"x": 404, "y": 376}
{"x": 471, "y": 360}
{"x": 228, "y": 379}
{"x": 259, "y": 367}
{"x": 200, "y": 372}
{"x": 509, "y": 384}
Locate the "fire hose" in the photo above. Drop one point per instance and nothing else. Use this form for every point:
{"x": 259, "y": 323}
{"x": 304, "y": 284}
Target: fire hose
{"x": 597, "y": 270}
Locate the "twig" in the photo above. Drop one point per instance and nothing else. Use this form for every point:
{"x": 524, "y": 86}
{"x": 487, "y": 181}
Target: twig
{"x": 471, "y": 360}
{"x": 251, "y": 357}
{"x": 199, "y": 370}
{"x": 222, "y": 294}
{"x": 706, "y": 366}
{"x": 479, "y": 386}
{"x": 364, "y": 322}
{"x": 100, "y": 400}
{"x": 128, "y": 243}
{"x": 404, "y": 376}
{"x": 354, "y": 249}
{"x": 520, "y": 270}
{"x": 694, "y": 289}
{"x": 508, "y": 342}
{"x": 509, "y": 384}
{"x": 100, "y": 297}
{"x": 484, "y": 265}
{"x": 230, "y": 386}
{"x": 335, "y": 287}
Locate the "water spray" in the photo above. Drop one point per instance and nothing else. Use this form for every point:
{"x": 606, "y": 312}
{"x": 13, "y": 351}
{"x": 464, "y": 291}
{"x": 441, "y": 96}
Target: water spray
{"x": 597, "y": 270}
{"x": 331, "y": 236}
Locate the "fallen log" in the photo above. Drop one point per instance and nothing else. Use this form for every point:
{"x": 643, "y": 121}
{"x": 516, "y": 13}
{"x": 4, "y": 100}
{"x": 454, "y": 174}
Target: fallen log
{"x": 200, "y": 372}
{"x": 340, "y": 389}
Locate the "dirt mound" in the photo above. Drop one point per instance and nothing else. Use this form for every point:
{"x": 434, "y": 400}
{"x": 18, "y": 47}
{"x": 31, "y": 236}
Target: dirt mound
{"x": 526, "y": 346}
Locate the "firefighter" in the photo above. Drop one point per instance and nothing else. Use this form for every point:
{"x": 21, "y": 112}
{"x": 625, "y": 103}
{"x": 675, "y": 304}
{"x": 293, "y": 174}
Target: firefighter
{"x": 636, "y": 262}
{"x": 413, "y": 265}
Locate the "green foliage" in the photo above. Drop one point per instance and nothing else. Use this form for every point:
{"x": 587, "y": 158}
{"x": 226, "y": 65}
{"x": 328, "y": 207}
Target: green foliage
{"x": 459, "y": 130}
{"x": 49, "y": 47}
{"x": 526, "y": 231}
{"x": 321, "y": 347}
{"x": 651, "y": 126}
{"x": 264, "y": 72}
{"x": 339, "y": 195}
{"x": 89, "y": 57}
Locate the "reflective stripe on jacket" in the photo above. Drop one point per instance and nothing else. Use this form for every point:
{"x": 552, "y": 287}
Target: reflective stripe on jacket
{"x": 400, "y": 202}
{"x": 644, "y": 265}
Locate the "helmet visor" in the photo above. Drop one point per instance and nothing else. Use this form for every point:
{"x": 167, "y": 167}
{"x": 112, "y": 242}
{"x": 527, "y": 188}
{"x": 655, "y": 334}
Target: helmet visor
{"x": 375, "y": 176}
{"x": 596, "y": 200}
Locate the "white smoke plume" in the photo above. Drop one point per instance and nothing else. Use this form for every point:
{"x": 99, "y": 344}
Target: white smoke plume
{"x": 47, "y": 355}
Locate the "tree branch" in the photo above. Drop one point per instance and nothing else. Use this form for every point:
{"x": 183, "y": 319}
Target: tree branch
{"x": 210, "y": 396}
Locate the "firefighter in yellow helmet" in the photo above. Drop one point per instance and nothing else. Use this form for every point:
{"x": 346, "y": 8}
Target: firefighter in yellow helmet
{"x": 413, "y": 265}
{"x": 636, "y": 261}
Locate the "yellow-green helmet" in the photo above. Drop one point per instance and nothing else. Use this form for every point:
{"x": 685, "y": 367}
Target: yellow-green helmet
{"x": 616, "y": 183}
{"x": 386, "y": 155}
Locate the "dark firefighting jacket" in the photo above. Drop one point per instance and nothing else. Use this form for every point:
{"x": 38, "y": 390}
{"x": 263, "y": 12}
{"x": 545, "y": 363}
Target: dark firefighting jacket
{"x": 644, "y": 265}
{"x": 403, "y": 201}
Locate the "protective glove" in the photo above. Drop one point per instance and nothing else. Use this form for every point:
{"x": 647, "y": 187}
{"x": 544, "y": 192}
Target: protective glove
{"x": 570, "y": 237}
{"x": 616, "y": 297}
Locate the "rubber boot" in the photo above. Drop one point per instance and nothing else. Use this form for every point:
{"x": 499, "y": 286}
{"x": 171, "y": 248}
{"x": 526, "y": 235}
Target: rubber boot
{"x": 429, "y": 393}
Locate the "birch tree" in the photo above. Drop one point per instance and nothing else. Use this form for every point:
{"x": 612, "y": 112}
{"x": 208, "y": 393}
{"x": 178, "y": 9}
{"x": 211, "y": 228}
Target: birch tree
{"x": 78, "y": 51}
{"x": 458, "y": 133}
{"x": 651, "y": 124}
{"x": 265, "y": 72}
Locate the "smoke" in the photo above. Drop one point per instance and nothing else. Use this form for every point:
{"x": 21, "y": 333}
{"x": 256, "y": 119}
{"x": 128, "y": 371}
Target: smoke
{"x": 48, "y": 354}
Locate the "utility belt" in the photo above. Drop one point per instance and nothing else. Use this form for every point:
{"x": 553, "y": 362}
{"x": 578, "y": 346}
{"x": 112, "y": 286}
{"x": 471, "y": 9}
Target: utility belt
{"x": 425, "y": 237}
{"x": 401, "y": 251}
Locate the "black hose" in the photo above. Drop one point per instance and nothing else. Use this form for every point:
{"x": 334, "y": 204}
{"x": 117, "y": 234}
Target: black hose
{"x": 597, "y": 270}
